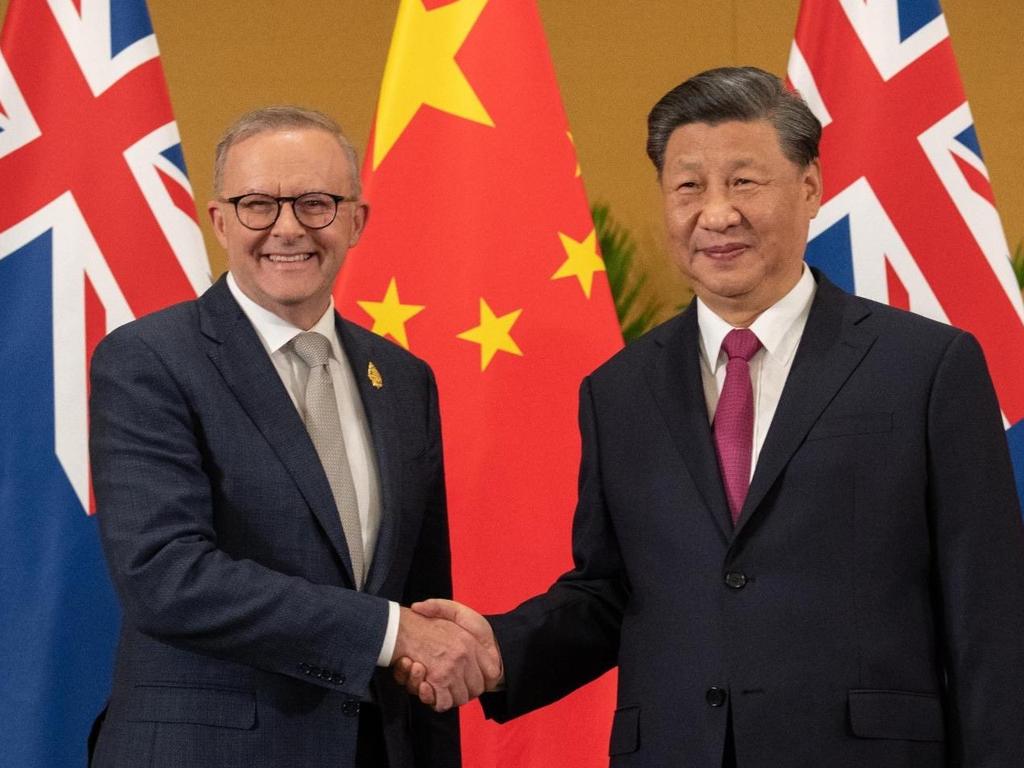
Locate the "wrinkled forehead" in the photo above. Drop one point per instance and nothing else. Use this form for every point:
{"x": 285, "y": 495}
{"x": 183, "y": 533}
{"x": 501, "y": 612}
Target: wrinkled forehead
{"x": 736, "y": 142}
{"x": 287, "y": 155}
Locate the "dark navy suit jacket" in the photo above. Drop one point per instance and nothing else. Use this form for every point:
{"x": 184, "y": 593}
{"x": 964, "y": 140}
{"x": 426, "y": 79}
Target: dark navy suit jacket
{"x": 243, "y": 642}
{"x": 867, "y": 610}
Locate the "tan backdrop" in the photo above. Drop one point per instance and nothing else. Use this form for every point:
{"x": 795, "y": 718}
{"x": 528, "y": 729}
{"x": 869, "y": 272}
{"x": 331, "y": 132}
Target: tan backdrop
{"x": 613, "y": 58}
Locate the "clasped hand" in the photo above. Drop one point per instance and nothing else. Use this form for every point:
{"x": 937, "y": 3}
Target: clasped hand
{"x": 445, "y": 654}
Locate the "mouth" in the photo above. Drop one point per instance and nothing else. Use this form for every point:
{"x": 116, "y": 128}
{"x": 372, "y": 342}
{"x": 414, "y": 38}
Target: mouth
{"x": 286, "y": 258}
{"x": 723, "y": 251}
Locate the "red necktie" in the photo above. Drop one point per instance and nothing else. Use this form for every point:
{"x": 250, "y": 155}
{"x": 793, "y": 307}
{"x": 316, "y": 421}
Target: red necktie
{"x": 734, "y": 418}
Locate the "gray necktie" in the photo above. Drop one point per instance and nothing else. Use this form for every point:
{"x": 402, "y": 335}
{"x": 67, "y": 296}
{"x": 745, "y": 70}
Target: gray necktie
{"x": 324, "y": 427}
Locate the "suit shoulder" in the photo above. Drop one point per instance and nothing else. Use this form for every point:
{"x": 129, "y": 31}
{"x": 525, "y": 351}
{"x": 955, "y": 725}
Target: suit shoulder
{"x": 901, "y": 322}
{"x": 168, "y": 326}
{"x": 639, "y": 352}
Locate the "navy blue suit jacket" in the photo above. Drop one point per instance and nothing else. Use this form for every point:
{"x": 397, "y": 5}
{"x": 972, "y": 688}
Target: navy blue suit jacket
{"x": 868, "y": 608}
{"x": 243, "y": 642}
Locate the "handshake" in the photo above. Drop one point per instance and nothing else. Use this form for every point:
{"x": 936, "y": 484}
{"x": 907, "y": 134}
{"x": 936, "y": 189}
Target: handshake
{"x": 445, "y": 654}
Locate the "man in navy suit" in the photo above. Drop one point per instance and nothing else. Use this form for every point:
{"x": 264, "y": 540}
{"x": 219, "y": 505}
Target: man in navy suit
{"x": 816, "y": 561}
{"x": 265, "y": 509}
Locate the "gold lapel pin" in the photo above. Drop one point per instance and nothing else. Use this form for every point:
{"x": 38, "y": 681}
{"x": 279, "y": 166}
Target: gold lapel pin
{"x": 374, "y": 376}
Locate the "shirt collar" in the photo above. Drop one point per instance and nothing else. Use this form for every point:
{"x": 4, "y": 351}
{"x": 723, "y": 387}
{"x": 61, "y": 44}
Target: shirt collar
{"x": 778, "y": 328}
{"x": 276, "y": 332}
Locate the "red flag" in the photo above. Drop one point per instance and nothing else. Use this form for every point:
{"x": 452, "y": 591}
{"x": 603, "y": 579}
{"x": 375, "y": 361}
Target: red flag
{"x": 481, "y": 258}
{"x": 97, "y": 226}
{"x": 908, "y": 217}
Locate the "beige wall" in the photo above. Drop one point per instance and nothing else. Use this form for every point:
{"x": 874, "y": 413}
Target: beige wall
{"x": 614, "y": 58}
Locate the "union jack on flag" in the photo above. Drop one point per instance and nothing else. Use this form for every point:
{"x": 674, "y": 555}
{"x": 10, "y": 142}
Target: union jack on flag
{"x": 97, "y": 226}
{"x": 909, "y": 218}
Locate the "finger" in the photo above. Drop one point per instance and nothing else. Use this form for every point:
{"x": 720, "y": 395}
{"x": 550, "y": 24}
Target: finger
{"x": 427, "y": 694}
{"x": 437, "y": 609}
{"x": 475, "y": 683}
{"x": 417, "y": 676}
{"x": 459, "y": 692}
{"x": 442, "y": 699}
{"x": 401, "y": 670}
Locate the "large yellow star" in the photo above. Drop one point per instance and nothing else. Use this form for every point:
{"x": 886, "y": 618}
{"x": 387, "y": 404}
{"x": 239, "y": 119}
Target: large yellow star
{"x": 390, "y": 315}
{"x": 493, "y": 334}
{"x": 581, "y": 261}
{"x": 421, "y": 69}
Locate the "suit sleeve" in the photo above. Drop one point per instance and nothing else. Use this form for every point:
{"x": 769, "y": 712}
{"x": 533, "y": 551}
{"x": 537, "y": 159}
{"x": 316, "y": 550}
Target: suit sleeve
{"x": 156, "y": 516}
{"x": 563, "y": 639}
{"x": 979, "y": 561}
{"x": 435, "y": 736}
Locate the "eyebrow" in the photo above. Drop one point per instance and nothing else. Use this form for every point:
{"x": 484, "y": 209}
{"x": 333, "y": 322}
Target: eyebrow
{"x": 743, "y": 162}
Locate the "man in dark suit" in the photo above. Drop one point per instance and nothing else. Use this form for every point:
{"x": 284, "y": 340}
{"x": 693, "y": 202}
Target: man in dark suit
{"x": 797, "y": 535}
{"x": 270, "y": 488}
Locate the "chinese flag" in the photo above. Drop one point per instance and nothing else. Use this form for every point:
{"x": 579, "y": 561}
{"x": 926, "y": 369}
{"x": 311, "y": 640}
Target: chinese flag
{"x": 481, "y": 258}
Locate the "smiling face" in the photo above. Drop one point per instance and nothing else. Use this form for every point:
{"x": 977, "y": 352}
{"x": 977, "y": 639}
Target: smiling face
{"x": 737, "y": 213}
{"x": 287, "y": 269}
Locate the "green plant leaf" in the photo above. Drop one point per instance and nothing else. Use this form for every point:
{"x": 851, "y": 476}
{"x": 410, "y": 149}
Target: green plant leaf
{"x": 636, "y": 314}
{"x": 1018, "y": 264}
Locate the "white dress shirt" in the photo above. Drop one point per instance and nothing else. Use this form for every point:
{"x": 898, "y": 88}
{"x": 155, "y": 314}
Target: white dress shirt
{"x": 779, "y": 329}
{"x": 276, "y": 334}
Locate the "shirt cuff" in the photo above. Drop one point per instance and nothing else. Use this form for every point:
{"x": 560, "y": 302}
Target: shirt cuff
{"x": 387, "y": 650}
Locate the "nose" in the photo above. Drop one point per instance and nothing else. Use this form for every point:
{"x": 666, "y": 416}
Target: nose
{"x": 718, "y": 213}
{"x": 287, "y": 225}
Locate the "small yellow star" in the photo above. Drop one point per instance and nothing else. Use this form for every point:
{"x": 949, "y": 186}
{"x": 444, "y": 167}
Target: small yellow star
{"x": 582, "y": 261}
{"x": 390, "y": 315}
{"x": 421, "y": 70}
{"x": 493, "y": 334}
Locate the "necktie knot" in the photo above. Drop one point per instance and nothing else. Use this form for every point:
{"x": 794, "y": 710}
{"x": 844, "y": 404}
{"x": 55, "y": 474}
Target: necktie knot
{"x": 741, "y": 343}
{"x": 313, "y": 348}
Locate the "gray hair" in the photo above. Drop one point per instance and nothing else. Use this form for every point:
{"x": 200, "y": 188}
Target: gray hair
{"x": 278, "y": 118}
{"x": 735, "y": 93}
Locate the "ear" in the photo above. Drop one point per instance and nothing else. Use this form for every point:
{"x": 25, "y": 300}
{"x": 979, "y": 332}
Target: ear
{"x": 812, "y": 187}
{"x": 360, "y": 215}
{"x": 214, "y": 208}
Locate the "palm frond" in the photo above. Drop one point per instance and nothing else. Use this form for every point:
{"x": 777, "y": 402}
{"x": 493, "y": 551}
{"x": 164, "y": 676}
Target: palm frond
{"x": 1018, "y": 264}
{"x": 636, "y": 313}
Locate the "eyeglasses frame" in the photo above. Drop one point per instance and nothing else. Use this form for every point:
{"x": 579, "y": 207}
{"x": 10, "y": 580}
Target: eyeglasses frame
{"x": 338, "y": 200}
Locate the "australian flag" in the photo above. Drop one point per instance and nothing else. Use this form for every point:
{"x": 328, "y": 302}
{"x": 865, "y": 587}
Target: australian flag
{"x": 97, "y": 227}
{"x": 909, "y": 218}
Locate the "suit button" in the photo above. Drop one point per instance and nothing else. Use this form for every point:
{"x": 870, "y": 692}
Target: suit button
{"x": 715, "y": 696}
{"x": 305, "y": 668}
{"x": 338, "y": 679}
{"x": 735, "y": 580}
{"x": 350, "y": 709}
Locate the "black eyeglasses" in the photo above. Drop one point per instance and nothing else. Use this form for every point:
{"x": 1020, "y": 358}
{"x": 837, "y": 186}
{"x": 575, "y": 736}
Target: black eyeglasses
{"x": 314, "y": 210}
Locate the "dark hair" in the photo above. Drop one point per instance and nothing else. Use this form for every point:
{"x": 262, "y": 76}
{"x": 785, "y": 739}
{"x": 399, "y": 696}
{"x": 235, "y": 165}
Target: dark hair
{"x": 735, "y": 93}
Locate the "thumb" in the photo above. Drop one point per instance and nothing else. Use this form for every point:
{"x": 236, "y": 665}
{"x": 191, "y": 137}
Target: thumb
{"x": 437, "y": 609}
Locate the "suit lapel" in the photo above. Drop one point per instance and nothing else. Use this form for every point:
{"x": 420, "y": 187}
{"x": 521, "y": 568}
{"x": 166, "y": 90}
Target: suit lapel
{"x": 243, "y": 362}
{"x": 385, "y": 436}
{"x": 831, "y": 348}
{"x": 678, "y": 389}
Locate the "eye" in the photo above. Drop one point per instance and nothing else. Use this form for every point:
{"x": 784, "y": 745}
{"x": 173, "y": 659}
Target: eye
{"x": 315, "y": 203}
{"x": 257, "y": 204}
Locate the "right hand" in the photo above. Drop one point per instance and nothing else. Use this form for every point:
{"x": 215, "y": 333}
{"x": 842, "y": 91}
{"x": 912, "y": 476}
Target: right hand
{"x": 443, "y": 663}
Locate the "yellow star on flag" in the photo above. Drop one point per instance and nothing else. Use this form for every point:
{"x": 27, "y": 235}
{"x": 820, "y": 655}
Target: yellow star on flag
{"x": 421, "y": 69}
{"x": 493, "y": 334}
{"x": 581, "y": 262}
{"x": 390, "y": 315}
